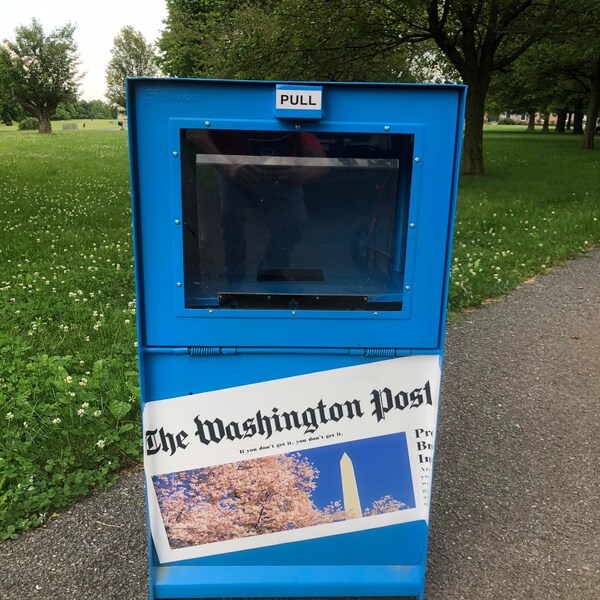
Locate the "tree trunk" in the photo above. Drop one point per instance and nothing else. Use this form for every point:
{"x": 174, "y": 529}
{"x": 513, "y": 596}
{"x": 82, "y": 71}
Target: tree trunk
{"x": 531, "y": 122}
{"x": 569, "y": 120}
{"x": 592, "y": 111}
{"x": 577, "y": 123}
{"x": 44, "y": 125}
{"x": 546, "y": 123}
{"x": 561, "y": 121}
{"x": 472, "y": 156}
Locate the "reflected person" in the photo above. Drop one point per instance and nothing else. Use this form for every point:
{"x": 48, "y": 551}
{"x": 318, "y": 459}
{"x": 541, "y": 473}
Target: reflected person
{"x": 267, "y": 184}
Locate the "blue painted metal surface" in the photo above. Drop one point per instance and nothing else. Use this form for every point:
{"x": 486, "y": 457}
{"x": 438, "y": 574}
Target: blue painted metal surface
{"x": 183, "y": 350}
{"x": 289, "y": 581}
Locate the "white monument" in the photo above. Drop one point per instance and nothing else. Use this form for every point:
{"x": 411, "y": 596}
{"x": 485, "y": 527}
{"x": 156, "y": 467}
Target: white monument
{"x": 349, "y": 489}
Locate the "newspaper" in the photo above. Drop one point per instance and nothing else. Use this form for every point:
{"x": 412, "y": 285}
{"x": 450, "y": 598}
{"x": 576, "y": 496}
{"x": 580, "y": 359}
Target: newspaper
{"x": 292, "y": 459}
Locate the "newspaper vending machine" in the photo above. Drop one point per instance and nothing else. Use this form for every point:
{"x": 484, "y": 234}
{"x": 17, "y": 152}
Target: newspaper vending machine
{"x": 292, "y": 256}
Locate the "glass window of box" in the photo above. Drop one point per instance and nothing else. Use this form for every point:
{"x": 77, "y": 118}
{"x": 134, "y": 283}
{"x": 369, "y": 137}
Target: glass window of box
{"x": 295, "y": 220}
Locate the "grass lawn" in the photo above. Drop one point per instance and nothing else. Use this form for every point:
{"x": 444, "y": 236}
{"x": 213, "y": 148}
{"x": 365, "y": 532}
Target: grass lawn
{"x": 68, "y": 381}
{"x": 537, "y": 205}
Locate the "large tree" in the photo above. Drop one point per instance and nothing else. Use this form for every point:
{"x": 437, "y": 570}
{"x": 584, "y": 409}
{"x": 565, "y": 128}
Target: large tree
{"x": 479, "y": 38}
{"x": 39, "y": 70}
{"x": 589, "y": 44}
{"x": 182, "y": 42}
{"x": 132, "y": 56}
{"x": 267, "y": 39}
{"x": 10, "y": 110}
{"x": 294, "y": 40}
{"x": 562, "y": 72}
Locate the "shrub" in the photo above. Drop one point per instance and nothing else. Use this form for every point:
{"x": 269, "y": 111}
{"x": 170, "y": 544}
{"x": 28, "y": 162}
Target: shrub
{"x": 28, "y": 124}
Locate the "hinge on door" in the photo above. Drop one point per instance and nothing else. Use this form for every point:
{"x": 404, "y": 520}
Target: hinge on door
{"x": 367, "y": 352}
{"x": 230, "y": 350}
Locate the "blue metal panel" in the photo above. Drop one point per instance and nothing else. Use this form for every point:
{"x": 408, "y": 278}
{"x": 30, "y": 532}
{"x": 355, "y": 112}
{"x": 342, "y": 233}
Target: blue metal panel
{"x": 289, "y": 581}
{"x": 394, "y": 545}
{"x": 169, "y": 376}
{"x": 433, "y": 175}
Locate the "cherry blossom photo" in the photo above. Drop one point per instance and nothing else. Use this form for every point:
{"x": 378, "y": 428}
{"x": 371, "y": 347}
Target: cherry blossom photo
{"x": 277, "y": 493}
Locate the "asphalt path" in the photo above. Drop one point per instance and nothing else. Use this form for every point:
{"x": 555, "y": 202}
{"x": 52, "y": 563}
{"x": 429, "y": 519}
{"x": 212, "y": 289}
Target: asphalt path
{"x": 516, "y": 510}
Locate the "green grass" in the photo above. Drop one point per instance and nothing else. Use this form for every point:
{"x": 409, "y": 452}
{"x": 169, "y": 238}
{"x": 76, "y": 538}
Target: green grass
{"x": 68, "y": 382}
{"x": 538, "y": 205}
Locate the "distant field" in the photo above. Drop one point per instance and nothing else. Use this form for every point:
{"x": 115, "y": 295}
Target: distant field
{"x": 90, "y": 124}
{"x": 69, "y": 417}
{"x": 87, "y": 124}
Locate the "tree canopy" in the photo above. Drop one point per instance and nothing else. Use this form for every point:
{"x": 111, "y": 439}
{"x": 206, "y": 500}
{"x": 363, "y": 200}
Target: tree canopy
{"x": 84, "y": 109}
{"x": 560, "y": 73}
{"x": 132, "y": 56}
{"x": 10, "y": 109}
{"x": 40, "y": 71}
{"x": 358, "y": 40}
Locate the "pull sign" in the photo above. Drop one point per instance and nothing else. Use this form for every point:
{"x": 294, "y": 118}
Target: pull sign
{"x": 298, "y": 101}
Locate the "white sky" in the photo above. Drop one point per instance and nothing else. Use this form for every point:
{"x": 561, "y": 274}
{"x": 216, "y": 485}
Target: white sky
{"x": 97, "y": 25}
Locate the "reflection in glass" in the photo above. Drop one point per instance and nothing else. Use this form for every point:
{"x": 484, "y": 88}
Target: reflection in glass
{"x": 294, "y": 220}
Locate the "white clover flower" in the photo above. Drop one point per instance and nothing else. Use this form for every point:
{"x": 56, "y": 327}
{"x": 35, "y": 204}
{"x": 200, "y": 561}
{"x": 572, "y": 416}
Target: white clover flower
{"x": 97, "y": 413}
{"x": 9, "y": 416}
{"x": 81, "y": 412}
{"x": 85, "y": 405}
{"x": 56, "y": 421}
{"x": 101, "y": 443}
{"x": 127, "y": 321}
{"x": 68, "y": 379}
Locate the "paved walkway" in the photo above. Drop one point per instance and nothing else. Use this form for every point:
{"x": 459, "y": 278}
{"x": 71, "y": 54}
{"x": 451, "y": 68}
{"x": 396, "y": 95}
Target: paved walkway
{"x": 516, "y": 510}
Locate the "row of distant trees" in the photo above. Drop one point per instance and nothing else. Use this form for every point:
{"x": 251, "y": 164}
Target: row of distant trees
{"x": 39, "y": 75}
{"x": 516, "y": 55}
{"x": 70, "y": 109}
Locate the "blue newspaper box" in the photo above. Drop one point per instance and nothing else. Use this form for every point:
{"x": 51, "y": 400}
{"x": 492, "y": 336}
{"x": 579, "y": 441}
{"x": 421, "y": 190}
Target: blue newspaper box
{"x": 292, "y": 249}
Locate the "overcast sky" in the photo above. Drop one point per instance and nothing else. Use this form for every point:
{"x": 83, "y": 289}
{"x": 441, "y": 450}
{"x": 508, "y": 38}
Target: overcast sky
{"x": 97, "y": 24}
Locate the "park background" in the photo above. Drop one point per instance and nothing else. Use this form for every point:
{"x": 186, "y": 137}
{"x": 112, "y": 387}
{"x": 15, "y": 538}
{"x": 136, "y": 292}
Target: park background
{"x": 69, "y": 418}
